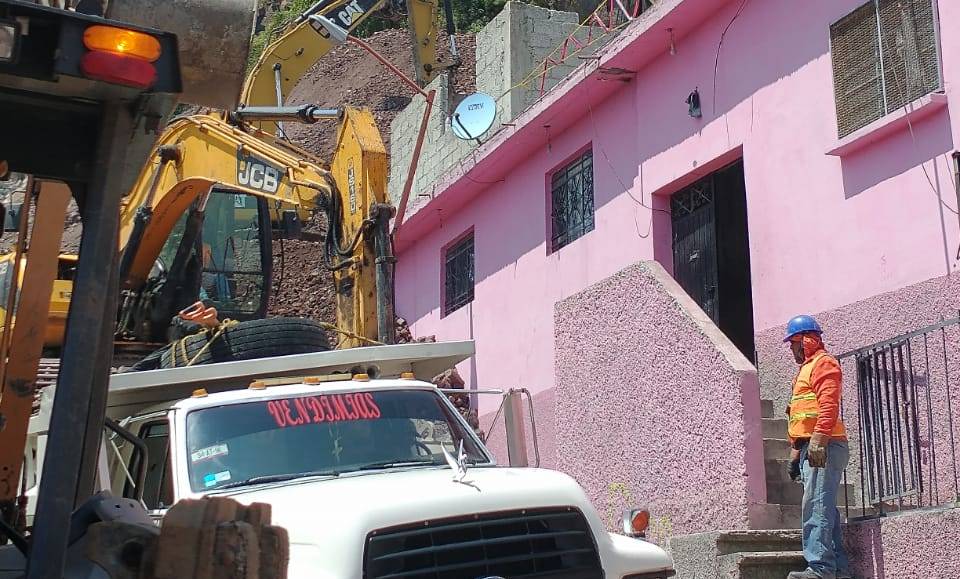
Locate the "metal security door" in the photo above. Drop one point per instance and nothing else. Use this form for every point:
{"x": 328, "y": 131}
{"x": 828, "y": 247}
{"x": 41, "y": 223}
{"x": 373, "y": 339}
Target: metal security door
{"x": 695, "y": 244}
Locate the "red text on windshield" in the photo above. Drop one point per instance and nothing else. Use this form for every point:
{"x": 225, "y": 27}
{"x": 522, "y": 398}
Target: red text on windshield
{"x": 324, "y": 408}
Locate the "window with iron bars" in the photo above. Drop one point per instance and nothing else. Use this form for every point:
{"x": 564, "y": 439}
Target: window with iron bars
{"x": 571, "y": 193}
{"x": 458, "y": 277}
{"x": 884, "y": 55}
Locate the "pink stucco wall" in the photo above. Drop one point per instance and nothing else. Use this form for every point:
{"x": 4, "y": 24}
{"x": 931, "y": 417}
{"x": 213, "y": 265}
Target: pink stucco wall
{"x": 824, "y": 231}
{"x": 656, "y": 407}
{"x": 868, "y": 241}
{"x": 920, "y": 545}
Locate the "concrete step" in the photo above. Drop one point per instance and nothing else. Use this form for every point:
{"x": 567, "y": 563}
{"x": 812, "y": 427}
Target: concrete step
{"x": 789, "y": 493}
{"x": 774, "y": 428}
{"x": 742, "y": 541}
{"x": 761, "y": 565}
{"x": 766, "y": 409}
{"x": 775, "y": 449}
{"x": 773, "y": 516}
{"x": 777, "y": 470}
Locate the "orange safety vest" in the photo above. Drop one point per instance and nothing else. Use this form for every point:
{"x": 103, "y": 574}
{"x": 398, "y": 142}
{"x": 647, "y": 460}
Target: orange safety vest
{"x": 804, "y": 410}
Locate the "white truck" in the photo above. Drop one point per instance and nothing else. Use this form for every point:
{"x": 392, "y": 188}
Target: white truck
{"x": 372, "y": 471}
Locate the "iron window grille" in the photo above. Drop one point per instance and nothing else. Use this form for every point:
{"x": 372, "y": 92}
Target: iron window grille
{"x": 458, "y": 275}
{"x": 571, "y": 192}
{"x": 885, "y": 55}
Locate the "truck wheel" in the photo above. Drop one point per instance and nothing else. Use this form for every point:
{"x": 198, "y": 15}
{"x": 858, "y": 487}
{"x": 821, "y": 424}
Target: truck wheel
{"x": 249, "y": 340}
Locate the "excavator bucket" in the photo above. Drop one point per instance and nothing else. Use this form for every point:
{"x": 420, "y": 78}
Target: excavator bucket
{"x": 213, "y": 37}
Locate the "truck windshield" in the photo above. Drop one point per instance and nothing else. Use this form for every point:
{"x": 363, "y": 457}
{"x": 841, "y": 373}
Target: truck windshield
{"x": 282, "y": 438}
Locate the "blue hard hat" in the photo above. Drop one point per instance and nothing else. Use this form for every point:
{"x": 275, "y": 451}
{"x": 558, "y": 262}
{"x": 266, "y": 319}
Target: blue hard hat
{"x": 801, "y": 324}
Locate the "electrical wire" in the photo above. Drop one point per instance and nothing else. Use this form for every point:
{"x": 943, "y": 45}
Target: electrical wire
{"x": 534, "y": 73}
{"x": 716, "y": 63}
{"x": 626, "y": 189}
{"x": 907, "y": 109}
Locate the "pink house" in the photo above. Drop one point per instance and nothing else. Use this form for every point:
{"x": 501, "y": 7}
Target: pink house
{"x": 630, "y": 246}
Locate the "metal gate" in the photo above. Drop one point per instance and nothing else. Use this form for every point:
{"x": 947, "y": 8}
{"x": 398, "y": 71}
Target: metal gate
{"x": 695, "y": 244}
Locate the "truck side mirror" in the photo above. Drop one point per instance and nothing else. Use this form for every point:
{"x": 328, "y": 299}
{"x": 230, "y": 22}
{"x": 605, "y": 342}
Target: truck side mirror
{"x": 11, "y": 217}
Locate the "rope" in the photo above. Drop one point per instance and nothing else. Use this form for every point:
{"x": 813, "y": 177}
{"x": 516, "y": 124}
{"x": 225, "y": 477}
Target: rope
{"x": 181, "y": 344}
{"x": 349, "y": 334}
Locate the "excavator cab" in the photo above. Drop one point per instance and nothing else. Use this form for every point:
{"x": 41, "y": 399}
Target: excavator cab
{"x": 233, "y": 252}
{"x": 218, "y": 252}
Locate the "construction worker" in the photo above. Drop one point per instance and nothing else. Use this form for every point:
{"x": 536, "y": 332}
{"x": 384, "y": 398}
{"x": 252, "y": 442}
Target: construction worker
{"x": 819, "y": 443}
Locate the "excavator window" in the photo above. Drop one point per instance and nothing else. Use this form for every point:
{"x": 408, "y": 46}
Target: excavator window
{"x": 233, "y": 255}
{"x": 235, "y": 250}
{"x": 67, "y": 269}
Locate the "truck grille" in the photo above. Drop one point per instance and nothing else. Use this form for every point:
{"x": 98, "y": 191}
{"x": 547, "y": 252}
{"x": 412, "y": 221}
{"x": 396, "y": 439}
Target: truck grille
{"x": 547, "y": 543}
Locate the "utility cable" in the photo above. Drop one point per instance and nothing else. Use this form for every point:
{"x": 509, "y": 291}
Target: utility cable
{"x": 716, "y": 63}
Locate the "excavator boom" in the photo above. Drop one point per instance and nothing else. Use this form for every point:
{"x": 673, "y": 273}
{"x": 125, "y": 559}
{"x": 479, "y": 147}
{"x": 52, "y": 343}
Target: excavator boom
{"x": 285, "y": 61}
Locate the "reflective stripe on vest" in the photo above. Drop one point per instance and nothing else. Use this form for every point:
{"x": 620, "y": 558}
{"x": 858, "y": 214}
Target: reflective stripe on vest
{"x": 804, "y": 410}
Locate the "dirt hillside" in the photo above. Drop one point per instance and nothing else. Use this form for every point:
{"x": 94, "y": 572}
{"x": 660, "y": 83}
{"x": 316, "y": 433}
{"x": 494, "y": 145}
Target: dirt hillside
{"x": 346, "y": 76}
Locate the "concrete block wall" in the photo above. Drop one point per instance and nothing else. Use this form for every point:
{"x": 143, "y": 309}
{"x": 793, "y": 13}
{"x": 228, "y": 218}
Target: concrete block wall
{"x": 511, "y": 49}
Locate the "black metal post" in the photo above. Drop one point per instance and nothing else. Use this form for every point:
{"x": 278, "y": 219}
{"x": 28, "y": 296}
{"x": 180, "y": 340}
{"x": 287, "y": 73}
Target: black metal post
{"x": 82, "y": 377}
{"x": 953, "y": 442}
{"x": 98, "y": 397}
{"x": 386, "y": 319}
{"x": 915, "y": 426}
{"x": 935, "y": 485}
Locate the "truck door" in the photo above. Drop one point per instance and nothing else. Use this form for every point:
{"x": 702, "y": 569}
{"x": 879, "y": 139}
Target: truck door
{"x": 154, "y": 431}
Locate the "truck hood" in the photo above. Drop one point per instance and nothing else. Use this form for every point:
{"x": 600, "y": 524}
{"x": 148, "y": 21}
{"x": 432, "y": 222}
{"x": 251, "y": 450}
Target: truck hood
{"x": 328, "y": 520}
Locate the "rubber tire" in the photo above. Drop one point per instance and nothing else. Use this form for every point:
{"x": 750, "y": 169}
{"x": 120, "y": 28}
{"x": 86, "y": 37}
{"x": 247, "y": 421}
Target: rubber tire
{"x": 149, "y": 362}
{"x": 251, "y": 340}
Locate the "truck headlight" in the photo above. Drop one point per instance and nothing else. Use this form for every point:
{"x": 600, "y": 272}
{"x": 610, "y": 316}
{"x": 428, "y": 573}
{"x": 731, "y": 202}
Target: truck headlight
{"x": 635, "y": 522}
{"x": 9, "y": 35}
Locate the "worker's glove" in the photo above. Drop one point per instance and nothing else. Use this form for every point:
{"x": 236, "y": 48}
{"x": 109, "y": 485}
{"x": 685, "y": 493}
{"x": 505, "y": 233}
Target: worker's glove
{"x": 817, "y": 451}
{"x": 794, "y": 464}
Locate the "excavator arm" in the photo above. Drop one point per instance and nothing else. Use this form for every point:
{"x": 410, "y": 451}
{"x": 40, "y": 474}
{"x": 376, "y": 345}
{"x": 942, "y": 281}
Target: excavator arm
{"x": 285, "y": 61}
{"x": 196, "y": 154}
{"x": 201, "y": 154}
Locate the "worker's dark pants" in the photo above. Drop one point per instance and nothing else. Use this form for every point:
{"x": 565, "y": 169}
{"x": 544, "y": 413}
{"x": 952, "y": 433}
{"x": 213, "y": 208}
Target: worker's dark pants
{"x": 822, "y": 534}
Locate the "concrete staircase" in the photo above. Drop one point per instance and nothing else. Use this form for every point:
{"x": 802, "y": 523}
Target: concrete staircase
{"x": 769, "y": 553}
{"x": 783, "y": 494}
{"x": 738, "y": 554}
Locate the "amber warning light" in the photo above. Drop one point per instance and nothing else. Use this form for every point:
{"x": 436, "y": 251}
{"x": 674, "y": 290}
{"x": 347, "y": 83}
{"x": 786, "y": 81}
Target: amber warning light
{"x": 120, "y": 56}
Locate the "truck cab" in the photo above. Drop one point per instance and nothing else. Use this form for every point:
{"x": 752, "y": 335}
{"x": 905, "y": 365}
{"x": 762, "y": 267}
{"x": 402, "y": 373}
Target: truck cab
{"x": 372, "y": 471}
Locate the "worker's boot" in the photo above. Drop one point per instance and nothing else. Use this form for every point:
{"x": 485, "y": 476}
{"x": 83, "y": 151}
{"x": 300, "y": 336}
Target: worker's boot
{"x": 806, "y": 574}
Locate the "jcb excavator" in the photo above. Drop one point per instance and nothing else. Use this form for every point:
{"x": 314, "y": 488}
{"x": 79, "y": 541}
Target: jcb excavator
{"x": 202, "y": 211}
{"x": 82, "y": 92}
{"x": 202, "y": 201}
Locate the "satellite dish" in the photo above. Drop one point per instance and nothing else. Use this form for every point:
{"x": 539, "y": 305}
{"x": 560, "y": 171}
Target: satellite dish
{"x": 474, "y": 116}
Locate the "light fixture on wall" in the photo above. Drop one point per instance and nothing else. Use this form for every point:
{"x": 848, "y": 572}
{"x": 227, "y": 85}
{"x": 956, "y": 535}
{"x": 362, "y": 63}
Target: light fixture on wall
{"x": 693, "y": 104}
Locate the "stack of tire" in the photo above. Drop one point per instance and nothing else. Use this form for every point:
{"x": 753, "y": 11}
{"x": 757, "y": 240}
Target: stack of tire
{"x": 248, "y": 340}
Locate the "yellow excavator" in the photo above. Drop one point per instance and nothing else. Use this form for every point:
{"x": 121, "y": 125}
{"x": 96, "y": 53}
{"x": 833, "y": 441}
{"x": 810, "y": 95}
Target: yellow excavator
{"x": 201, "y": 214}
{"x": 197, "y": 219}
